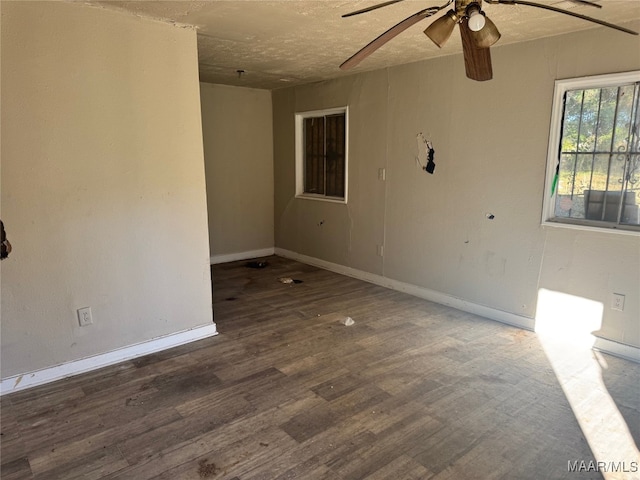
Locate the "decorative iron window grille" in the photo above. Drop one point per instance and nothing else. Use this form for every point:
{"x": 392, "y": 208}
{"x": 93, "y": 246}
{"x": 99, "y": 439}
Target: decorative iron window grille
{"x": 597, "y": 163}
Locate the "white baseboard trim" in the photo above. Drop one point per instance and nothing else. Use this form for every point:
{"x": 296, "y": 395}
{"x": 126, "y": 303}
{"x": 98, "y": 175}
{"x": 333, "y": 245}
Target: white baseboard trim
{"x": 621, "y": 350}
{"x": 232, "y": 257}
{"x": 628, "y": 352}
{"x": 425, "y": 293}
{"x": 76, "y": 367}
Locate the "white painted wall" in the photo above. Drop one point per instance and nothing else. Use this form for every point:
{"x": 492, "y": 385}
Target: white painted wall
{"x": 490, "y": 140}
{"x": 238, "y": 149}
{"x": 103, "y": 184}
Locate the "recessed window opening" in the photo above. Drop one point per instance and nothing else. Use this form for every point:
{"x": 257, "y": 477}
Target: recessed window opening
{"x": 593, "y": 176}
{"x": 321, "y": 155}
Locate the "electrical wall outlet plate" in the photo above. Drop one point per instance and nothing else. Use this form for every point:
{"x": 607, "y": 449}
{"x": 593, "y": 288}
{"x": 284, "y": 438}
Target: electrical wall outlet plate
{"x": 617, "y": 301}
{"x": 84, "y": 316}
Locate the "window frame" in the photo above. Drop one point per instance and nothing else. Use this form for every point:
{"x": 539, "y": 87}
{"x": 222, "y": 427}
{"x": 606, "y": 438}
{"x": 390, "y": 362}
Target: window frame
{"x": 555, "y": 136}
{"x": 300, "y": 154}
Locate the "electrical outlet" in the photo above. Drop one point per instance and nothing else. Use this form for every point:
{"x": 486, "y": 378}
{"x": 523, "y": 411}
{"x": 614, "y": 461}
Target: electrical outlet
{"x": 617, "y": 301}
{"x": 381, "y": 250}
{"x": 382, "y": 174}
{"x": 84, "y": 316}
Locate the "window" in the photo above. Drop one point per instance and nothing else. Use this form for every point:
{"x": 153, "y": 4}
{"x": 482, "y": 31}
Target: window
{"x": 593, "y": 167}
{"x": 321, "y": 155}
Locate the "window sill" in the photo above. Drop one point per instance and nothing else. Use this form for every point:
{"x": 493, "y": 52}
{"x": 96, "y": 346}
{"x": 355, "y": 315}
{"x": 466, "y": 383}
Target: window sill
{"x": 321, "y": 198}
{"x": 591, "y": 228}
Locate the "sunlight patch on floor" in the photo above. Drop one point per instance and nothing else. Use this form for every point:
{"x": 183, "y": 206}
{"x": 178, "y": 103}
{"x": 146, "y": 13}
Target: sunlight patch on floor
{"x": 564, "y": 325}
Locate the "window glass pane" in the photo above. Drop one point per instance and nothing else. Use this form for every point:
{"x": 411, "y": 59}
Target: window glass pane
{"x": 616, "y": 174}
{"x": 314, "y": 155}
{"x": 571, "y": 121}
{"x": 600, "y": 171}
{"x": 335, "y": 155}
{"x": 564, "y": 206}
{"x": 565, "y": 195}
{"x": 631, "y": 155}
{"x": 624, "y": 120}
{"x": 607, "y": 118}
{"x": 603, "y": 203}
{"x": 583, "y": 173}
{"x": 600, "y": 205}
{"x": 565, "y": 180}
{"x": 589, "y": 120}
{"x": 593, "y": 193}
{"x": 631, "y": 207}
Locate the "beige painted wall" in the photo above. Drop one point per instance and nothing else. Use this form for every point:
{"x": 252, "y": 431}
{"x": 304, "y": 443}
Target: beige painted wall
{"x": 103, "y": 185}
{"x": 238, "y": 150}
{"x": 491, "y": 142}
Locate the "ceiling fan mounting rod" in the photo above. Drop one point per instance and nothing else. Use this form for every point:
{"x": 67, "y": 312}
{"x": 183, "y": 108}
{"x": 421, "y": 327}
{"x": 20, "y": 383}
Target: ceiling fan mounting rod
{"x": 462, "y": 6}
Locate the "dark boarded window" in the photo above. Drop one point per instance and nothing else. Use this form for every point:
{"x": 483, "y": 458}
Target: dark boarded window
{"x": 325, "y": 155}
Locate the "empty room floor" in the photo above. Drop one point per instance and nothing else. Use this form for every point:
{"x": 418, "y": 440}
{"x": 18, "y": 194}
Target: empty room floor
{"x": 411, "y": 390}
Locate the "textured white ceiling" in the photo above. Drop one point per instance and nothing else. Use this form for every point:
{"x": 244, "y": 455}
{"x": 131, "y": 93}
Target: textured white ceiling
{"x": 288, "y": 42}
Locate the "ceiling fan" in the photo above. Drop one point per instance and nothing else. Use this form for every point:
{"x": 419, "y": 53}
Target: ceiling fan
{"x": 478, "y": 32}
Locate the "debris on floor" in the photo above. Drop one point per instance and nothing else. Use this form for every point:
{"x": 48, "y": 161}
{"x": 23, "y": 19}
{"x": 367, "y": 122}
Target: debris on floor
{"x": 288, "y": 280}
{"x": 207, "y": 470}
{"x": 347, "y": 321}
{"x": 133, "y": 402}
{"x": 257, "y": 264}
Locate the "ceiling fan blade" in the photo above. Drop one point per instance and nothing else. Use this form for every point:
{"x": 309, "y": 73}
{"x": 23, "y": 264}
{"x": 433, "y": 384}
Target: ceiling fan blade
{"x": 379, "y": 5}
{"x": 477, "y": 61}
{"x": 388, "y": 35}
{"x": 585, "y": 2}
{"x": 566, "y": 12}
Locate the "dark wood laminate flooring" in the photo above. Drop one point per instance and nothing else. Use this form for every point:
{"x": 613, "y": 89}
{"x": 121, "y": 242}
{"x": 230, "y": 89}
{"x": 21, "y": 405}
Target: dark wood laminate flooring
{"x": 412, "y": 390}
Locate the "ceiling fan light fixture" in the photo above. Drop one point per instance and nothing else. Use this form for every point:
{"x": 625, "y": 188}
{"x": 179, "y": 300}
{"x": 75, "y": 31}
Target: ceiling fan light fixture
{"x": 440, "y": 30}
{"x": 476, "y": 17}
{"x": 487, "y": 36}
